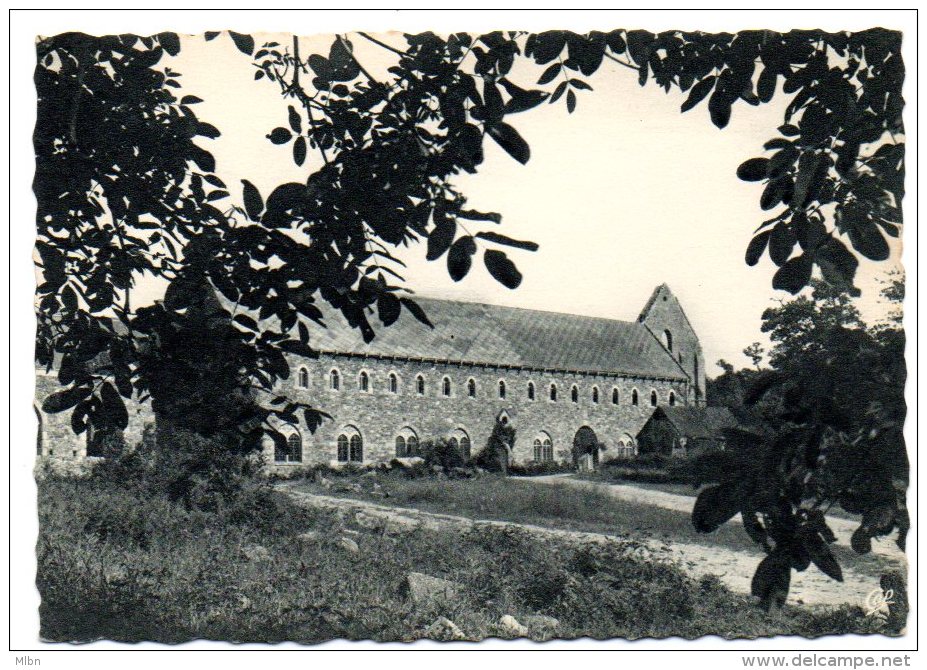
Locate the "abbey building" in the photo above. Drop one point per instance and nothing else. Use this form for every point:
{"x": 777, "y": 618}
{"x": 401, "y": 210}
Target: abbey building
{"x": 562, "y": 380}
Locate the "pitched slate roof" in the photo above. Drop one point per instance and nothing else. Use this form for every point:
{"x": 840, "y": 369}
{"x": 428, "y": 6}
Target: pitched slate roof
{"x": 508, "y": 336}
{"x": 707, "y": 422}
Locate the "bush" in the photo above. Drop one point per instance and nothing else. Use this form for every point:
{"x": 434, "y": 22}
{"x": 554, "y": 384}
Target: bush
{"x": 443, "y": 453}
{"x": 534, "y": 469}
{"x": 495, "y": 455}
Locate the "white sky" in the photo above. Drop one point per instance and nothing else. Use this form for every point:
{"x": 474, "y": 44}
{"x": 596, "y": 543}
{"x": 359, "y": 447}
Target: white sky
{"x": 622, "y": 195}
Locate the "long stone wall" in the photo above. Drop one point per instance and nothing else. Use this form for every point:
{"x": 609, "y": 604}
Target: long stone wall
{"x": 379, "y": 415}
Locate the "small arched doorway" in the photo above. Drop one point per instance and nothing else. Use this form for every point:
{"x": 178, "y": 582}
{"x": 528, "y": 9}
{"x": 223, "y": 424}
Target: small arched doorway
{"x": 585, "y": 444}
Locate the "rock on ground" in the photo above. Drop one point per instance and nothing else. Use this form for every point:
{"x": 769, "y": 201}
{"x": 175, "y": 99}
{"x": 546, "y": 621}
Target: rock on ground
{"x": 444, "y": 630}
{"x": 348, "y": 544}
{"x": 541, "y": 623}
{"x": 426, "y": 590}
{"x": 255, "y": 552}
{"x": 510, "y": 627}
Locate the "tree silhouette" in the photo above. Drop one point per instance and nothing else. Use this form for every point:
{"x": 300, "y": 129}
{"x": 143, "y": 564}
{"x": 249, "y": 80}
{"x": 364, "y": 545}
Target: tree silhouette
{"x": 125, "y": 191}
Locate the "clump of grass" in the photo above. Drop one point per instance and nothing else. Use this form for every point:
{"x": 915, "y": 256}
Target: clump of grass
{"x": 120, "y": 565}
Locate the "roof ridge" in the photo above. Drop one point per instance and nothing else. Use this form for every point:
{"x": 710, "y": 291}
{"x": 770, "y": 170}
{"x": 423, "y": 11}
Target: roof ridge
{"x": 524, "y": 309}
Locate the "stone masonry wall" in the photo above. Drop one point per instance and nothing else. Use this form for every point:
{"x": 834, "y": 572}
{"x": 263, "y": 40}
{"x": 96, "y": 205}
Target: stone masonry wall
{"x": 665, "y": 313}
{"x": 59, "y": 442}
{"x": 379, "y": 415}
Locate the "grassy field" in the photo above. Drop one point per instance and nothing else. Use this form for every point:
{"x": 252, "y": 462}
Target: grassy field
{"x": 561, "y": 505}
{"x": 555, "y": 505}
{"x": 118, "y": 565}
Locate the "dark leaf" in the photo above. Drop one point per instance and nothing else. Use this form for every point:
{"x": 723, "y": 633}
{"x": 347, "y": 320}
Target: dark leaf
{"x": 299, "y": 150}
{"x": 169, "y": 42}
{"x": 867, "y": 239}
{"x": 254, "y": 203}
{"x": 550, "y": 74}
{"x": 459, "y": 258}
{"x": 794, "y": 275}
{"x": 474, "y": 215}
{"x": 719, "y": 107}
{"x": 571, "y": 101}
{"x": 772, "y": 579}
{"x": 211, "y": 35}
{"x": 62, "y": 400}
{"x": 753, "y": 170}
{"x": 501, "y": 268}
{"x": 190, "y": 100}
{"x": 441, "y": 238}
{"x": 296, "y": 121}
{"x": 114, "y": 407}
{"x": 820, "y": 553}
{"x": 756, "y": 248}
{"x": 280, "y": 136}
{"x": 246, "y": 321}
{"x": 766, "y": 85}
{"x": 245, "y": 43}
{"x": 781, "y": 243}
{"x": 508, "y": 241}
{"x": 388, "y": 308}
{"x": 509, "y": 139}
{"x": 860, "y": 541}
{"x": 715, "y": 506}
{"x": 838, "y": 265}
{"x": 698, "y": 93}
{"x": 416, "y": 310}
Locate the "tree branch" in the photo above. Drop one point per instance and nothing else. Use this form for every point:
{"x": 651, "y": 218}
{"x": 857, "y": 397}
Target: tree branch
{"x": 381, "y": 44}
{"x": 621, "y": 62}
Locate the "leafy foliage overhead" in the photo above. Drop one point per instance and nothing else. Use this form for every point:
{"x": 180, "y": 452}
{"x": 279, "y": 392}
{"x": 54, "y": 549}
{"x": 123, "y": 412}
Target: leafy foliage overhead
{"x": 833, "y": 406}
{"x": 126, "y": 189}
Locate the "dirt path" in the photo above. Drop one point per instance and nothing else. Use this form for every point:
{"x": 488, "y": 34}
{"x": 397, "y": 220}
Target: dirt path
{"x": 734, "y": 568}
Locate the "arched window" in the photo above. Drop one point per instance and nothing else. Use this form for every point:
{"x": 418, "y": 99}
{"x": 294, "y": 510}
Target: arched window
{"x": 634, "y": 399}
{"x": 553, "y": 392}
{"x": 393, "y": 383}
{"x": 672, "y": 399}
{"x": 350, "y": 446}
{"x": 343, "y": 448}
{"x": 334, "y": 380}
{"x": 653, "y": 398}
{"x": 303, "y": 378}
{"x": 501, "y": 388}
{"x": 471, "y": 388}
{"x": 289, "y": 449}
{"x": 574, "y": 393}
{"x": 357, "y": 449}
{"x": 668, "y": 340}
{"x": 406, "y": 443}
{"x": 595, "y": 395}
{"x": 363, "y": 382}
{"x": 459, "y": 439}
{"x": 543, "y": 448}
{"x": 420, "y": 385}
{"x": 530, "y": 390}
{"x": 615, "y": 396}
{"x": 295, "y": 448}
{"x": 446, "y": 386}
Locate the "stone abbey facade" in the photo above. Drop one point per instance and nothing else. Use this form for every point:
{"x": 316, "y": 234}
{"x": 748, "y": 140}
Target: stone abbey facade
{"x": 559, "y": 379}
